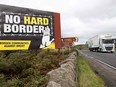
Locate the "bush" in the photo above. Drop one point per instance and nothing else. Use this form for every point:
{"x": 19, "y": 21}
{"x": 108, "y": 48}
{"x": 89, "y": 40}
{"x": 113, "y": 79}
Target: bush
{"x": 25, "y": 69}
{"x": 2, "y": 55}
{"x": 15, "y": 82}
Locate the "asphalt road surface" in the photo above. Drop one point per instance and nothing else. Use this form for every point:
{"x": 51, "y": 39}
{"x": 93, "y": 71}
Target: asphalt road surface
{"x": 104, "y": 64}
{"x": 109, "y": 58}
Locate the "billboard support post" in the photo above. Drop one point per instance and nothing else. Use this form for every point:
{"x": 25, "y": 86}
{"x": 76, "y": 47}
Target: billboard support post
{"x": 36, "y": 52}
{"x": 59, "y": 55}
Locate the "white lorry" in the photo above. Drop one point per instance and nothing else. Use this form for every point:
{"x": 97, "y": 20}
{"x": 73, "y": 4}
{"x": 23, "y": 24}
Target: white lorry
{"x": 101, "y": 43}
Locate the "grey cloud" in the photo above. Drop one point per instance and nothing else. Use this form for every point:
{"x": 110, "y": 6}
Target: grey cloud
{"x": 82, "y": 18}
{"x": 100, "y": 9}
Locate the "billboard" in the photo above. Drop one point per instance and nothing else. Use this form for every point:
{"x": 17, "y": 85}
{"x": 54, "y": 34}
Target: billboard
{"x": 23, "y": 28}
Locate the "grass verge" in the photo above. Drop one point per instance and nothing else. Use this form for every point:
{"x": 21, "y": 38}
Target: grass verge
{"x": 86, "y": 76}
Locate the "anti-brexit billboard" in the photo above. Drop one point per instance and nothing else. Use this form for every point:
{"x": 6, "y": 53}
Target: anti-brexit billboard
{"x": 24, "y": 29}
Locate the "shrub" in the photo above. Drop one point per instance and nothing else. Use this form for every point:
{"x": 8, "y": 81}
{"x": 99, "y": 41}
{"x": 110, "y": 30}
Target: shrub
{"x": 2, "y": 55}
{"x": 25, "y": 69}
{"x": 15, "y": 82}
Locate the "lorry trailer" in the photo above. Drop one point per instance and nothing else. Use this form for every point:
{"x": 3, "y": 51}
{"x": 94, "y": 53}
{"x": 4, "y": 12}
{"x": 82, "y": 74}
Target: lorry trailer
{"x": 101, "y": 43}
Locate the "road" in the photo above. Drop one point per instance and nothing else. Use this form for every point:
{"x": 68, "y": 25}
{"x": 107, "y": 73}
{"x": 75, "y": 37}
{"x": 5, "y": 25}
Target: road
{"x": 109, "y": 58}
{"x": 103, "y": 64}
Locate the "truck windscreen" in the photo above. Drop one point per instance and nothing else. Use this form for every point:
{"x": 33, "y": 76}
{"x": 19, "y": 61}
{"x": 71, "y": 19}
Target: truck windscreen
{"x": 108, "y": 41}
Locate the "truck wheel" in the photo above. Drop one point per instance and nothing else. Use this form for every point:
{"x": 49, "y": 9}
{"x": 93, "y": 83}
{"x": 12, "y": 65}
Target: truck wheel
{"x": 100, "y": 50}
{"x": 97, "y": 50}
{"x": 111, "y": 51}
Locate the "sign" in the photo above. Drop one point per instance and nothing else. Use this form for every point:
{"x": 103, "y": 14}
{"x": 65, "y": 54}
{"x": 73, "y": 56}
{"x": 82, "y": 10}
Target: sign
{"x": 23, "y": 29}
{"x": 68, "y": 41}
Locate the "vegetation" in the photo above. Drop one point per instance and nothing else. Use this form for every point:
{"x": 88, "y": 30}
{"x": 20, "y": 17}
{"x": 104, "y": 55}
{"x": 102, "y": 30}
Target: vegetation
{"x": 80, "y": 47}
{"x": 87, "y": 77}
{"x": 25, "y": 69}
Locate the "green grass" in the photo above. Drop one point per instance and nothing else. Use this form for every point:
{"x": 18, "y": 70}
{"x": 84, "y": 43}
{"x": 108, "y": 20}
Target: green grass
{"x": 87, "y": 77}
{"x": 80, "y": 47}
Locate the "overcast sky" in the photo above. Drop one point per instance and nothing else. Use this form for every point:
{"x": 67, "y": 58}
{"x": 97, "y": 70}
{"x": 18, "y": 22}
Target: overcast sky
{"x": 79, "y": 18}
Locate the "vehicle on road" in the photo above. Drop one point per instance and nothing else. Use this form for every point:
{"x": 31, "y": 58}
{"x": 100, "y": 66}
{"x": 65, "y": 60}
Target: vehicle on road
{"x": 101, "y": 43}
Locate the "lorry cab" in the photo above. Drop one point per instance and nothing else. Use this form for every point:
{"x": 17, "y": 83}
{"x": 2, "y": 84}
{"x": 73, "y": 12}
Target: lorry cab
{"x": 107, "y": 45}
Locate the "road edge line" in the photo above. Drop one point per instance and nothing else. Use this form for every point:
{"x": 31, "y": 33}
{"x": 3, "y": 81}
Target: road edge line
{"x": 106, "y": 64}
{"x": 98, "y": 60}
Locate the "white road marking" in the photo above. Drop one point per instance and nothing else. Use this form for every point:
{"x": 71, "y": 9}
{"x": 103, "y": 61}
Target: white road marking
{"x": 99, "y": 61}
{"x": 106, "y": 64}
